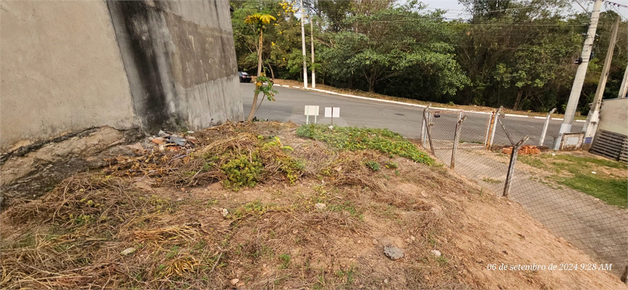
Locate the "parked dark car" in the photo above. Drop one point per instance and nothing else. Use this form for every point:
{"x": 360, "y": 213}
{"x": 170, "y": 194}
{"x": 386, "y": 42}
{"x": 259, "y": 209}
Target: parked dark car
{"x": 244, "y": 77}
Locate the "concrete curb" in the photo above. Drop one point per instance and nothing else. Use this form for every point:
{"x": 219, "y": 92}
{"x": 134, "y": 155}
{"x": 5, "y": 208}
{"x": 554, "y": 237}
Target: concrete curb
{"x": 417, "y": 105}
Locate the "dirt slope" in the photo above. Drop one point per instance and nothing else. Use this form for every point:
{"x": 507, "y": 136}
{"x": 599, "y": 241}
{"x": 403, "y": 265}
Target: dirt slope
{"x": 326, "y": 230}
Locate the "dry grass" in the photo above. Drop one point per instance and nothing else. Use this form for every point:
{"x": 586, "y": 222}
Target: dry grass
{"x": 189, "y": 232}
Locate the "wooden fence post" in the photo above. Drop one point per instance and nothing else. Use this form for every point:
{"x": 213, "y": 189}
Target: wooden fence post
{"x": 511, "y": 166}
{"x": 427, "y": 124}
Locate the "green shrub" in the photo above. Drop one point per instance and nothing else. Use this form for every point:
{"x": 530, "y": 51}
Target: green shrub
{"x": 242, "y": 171}
{"x": 351, "y": 138}
{"x": 373, "y": 165}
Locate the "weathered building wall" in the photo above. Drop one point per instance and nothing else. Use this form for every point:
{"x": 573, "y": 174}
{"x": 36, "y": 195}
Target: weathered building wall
{"x": 94, "y": 68}
{"x": 614, "y": 116}
{"x": 61, "y": 71}
{"x": 180, "y": 60}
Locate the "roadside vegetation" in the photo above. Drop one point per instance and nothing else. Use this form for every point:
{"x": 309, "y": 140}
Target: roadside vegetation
{"x": 518, "y": 54}
{"x": 602, "y": 178}
{"x": 255, "y": 206}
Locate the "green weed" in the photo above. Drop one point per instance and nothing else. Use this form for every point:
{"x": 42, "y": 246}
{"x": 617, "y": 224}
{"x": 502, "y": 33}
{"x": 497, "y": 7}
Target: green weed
{"x": 351, "y": 138}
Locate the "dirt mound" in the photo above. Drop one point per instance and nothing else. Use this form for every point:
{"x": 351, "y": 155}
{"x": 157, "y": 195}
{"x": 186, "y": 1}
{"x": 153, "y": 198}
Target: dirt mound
{"x": 305, "y": 215}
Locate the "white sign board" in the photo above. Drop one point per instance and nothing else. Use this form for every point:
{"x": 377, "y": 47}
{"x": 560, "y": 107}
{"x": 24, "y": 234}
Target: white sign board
{"x": 311, "y": 110}
{"x": 328, "y": 112}
{"x": 571, "y": 141}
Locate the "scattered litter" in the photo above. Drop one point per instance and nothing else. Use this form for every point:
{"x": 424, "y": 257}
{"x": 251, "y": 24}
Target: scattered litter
{"x": 225, "y": 212}
{"x": 162, "y": 134}
{"x": 593, "y": 172}
{"x": 320, "y": 206}
{"x": 158, "y": 140}
{"x": 235, "y": 281}
{"x": 127, "y": 251}
{"x": 436, "y": 253}
{"x": 177, "y": 140}
{"x": 525, "y": 149}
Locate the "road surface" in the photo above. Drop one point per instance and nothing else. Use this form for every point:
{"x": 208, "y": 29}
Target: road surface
{"x": 403, "y": 119}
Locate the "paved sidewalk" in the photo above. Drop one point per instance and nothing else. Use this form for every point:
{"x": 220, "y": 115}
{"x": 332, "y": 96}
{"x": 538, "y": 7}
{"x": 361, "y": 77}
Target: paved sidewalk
{"x": 599, "y": 229}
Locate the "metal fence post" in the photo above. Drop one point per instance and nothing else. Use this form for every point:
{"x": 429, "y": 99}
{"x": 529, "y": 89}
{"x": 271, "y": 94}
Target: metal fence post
{"x": 547, "y": 119}
{"x": 511, "y": 166}
{"x": 456, "y": 140}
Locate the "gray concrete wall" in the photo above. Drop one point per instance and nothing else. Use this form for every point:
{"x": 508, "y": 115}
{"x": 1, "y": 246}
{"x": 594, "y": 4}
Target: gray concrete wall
{"x": 180, "y": 59}
{"x": 61, "y": 71}
{"x": 72, "y": 65}
{"x": 614, "y": 116}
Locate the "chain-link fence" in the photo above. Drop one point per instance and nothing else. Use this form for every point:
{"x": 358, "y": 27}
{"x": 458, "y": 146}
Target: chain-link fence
{"x": 575, "y": 195}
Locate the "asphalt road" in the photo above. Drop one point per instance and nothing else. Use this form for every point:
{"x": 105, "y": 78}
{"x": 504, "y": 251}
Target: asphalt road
{"x": 404, "y": 119}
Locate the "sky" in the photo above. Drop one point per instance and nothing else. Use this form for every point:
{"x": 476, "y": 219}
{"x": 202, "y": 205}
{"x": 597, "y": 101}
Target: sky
{"x": 456, "y": 10}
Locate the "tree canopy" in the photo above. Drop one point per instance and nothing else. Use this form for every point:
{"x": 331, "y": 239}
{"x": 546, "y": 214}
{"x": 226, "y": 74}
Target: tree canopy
{"x": 517, "y": 54}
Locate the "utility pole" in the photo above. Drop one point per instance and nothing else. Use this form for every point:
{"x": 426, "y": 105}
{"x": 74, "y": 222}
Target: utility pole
{"x": 594, "y": 113}
{"x": 576, "y": 89}
{"x": 312, "y": 42}
{"x": 303, "y": 47}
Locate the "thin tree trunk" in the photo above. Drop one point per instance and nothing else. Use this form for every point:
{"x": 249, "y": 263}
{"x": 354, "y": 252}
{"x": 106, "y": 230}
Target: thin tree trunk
{"x": 371, "y": 85}
{"x": 259, "y": 54}
{"x": 272, "y": 73}
{"x": 518, "y": 100}
{"x": 257, "y": 84}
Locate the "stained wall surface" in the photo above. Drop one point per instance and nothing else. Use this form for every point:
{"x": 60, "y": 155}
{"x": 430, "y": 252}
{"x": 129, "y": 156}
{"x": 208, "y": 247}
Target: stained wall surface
{"x": 181, "y": 62}
{"x": 68, "y": 66}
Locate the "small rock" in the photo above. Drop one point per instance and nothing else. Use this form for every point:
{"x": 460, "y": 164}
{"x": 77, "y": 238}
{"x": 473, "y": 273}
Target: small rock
{"x": 235, "y": 281}
{"x": 225, "y": 212}
{"x": 320, "y": 206}
{"x": 393, "y": 252}
{"x": 127, "y": 251}
{"x": 436, "y": 253}
{"x": 386, "y": 281}
{"x": 412, "y": 238}
{"x": 374, "y": 241}
{"x": 359, "y": 242}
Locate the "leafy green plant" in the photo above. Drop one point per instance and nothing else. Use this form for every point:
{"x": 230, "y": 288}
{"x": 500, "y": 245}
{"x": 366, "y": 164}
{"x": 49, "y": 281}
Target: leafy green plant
{"x": 391, "y": 165}
{"x": 285, "y": 260}
{"x": 242, "y": 171}
{"x": 373, "y": 165}
{"x": 351, "y": 138}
